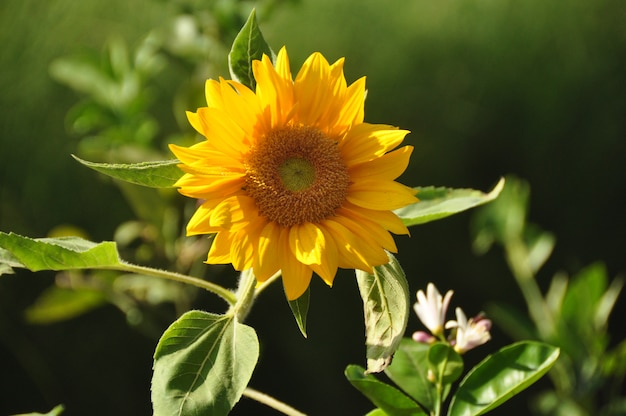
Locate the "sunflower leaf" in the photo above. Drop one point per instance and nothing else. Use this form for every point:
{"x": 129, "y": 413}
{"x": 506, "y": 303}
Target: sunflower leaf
{"x": 8, "y": 262}
{"x": 202, "y": 364}
{"x": 156, "y": 174}
{"x": 249, "y": 45}
{"x": 385, "y": 295}
{"x": 65, "y": 253}
{"x": 300, "y": 308}
{"x": 437, "y": 203}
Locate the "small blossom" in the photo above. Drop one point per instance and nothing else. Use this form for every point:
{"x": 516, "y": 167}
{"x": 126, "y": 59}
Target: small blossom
{"x": 423, "y": 337}
{"x": 469, "y": 333}
{"x": 431, "y": 308}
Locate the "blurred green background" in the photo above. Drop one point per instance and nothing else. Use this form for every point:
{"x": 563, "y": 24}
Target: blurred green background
{"x": 536, "y": 88}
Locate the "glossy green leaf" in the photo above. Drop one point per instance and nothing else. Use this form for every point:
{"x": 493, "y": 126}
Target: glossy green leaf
{"x": 249, "y": 45}
{"x": 54, "y": 412}
{"x": 202, "y": 364}
{"x": 156, "y": 174}
{"x": 501, "y": 376}
{"x": 409, "y": 370}
{"x": 300, "y": 308}
{"x": 445, "y": 363}
{"x": 437, "y": 203}
{"x": 64, "y": 253}
{"x": 391, "y": 400}
{"x": 385, "y": 295}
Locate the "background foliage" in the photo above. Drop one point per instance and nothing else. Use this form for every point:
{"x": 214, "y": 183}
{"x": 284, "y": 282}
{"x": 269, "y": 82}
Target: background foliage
{"x": 534, "y": 88}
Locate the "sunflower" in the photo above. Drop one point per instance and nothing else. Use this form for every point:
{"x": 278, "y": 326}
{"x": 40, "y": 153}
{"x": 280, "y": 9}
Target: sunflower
{"x": 290, "y": 177}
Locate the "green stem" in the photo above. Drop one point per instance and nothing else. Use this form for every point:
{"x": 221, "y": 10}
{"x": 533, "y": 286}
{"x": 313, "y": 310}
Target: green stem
{"x": 272, "y": 402}
{"x": 220, "y": 291}
{"x": 245, "y": 295}
{"x": 517, "y": 256}
{"x": 439, "y": 396}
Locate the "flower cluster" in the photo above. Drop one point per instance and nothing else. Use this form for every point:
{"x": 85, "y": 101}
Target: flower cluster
{"x": 431, "y": 309}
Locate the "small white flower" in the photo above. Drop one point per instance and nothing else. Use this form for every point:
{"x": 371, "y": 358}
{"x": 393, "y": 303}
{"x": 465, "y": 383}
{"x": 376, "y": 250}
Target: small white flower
{"x": 469, "y": 333}
{"x": 431, "y": 308}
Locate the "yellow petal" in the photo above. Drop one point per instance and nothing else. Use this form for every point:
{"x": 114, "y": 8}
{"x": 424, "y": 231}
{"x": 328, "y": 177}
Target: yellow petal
{"x": 213, "y": 95}
{"x": 296, "y": 277}
{"x": 386, "y": 167}
{"x": 196, "y": 122}
{"x": 282, "y": 64}
{"x": 327, "y": 269}
{"x": 201, "y": 153}
{"x": 374, "y": 230}
{"x": 306, "y": 242}
{"x": 243, "y": 246}
{"x": 380, "y": 195}
{"x": 243, "y": 107}
{"x": 203, "y": 187}
{"x": 366, "y": 141}
{"x": 201, "y": 220}
{"x": 267, "y": 260}
{"x": 353, "y": 108}
{"x": 311, "y": 246}
{"x": 387, "y": 219}
{"x": 219, "y": 253}
{"x": 224, "y": 134}
{"x": 353, "y": 251}
{"x": 312, "y": 90}
{"x": 274, "y": 89}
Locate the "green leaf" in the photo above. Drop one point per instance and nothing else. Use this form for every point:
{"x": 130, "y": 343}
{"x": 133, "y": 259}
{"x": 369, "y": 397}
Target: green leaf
{"x": 437, "y": 203}
{"x": 540, "y": 245}
{"x": 249, "y": 45}
{"x": 445, "y": 363}
{"x": 300, "y": 308}
{"x": 58, "y": 304}
{"x": 8, "y": 262}
{"x": 501, "y": 376}
{"x": 54, "y": 412}
{"x": 385, "y": 295}
{"x": 202, "y": 364}
{"x": 64, "y": 253}
{"x": 391, "y": 400}
{"x": 409, "y": 370}
{"x": 583, "y": 295}
{"x": 156, "y": 174}
{"x": 377, "y": 412}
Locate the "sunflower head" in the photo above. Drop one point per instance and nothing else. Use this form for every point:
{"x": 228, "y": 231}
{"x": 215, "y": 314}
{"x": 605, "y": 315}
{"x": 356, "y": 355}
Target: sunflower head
{"x": 291, "y": 178}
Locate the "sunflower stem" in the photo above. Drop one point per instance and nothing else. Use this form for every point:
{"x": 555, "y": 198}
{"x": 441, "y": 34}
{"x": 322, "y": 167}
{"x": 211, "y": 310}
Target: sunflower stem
{"x": 272, "y": 402}
{"x": 245, "y": 295}
{"x": 220, "y": 291}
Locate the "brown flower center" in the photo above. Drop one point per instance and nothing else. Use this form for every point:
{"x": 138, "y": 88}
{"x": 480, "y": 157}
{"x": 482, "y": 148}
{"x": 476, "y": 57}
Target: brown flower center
{"x": 296, "y": 175}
